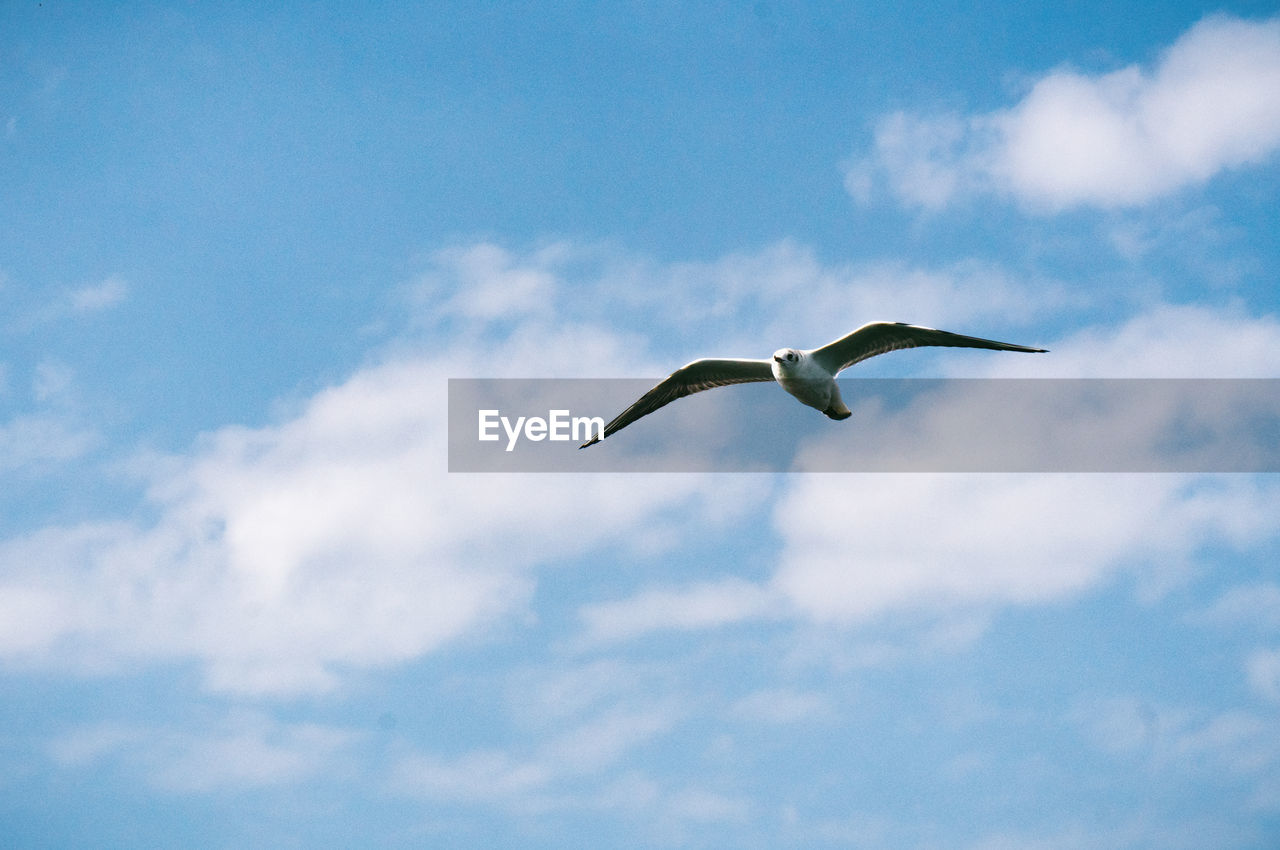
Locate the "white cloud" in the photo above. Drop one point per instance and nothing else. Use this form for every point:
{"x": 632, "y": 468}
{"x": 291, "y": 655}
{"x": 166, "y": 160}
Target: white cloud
{"x": 1263, "y": 669}
{"x": 84, "y": 301}
{"x": 928, "y": 161}
{"x": 578, "y": 730}
{"x": 1254, "y": 605}
{"x": 539, "y": 779}
{"x": 783, "y": 706}
{"x": 604, "y": 740}
{"x": 485, "y": 282}
{"x": 792, "y": 298}
{"x": 277, "y": 556}
{"x": 90, "y": 744}
{"x": 1164, "y": 341}
{"x": 480, "y": 776}
{"x": 1127, "y": 830}
{"x": 1192, "y": 748}
{"x": 1237, "y": 741}
{"x": 36, "y": 440}
{"x": 697, "y": 804}
{"x": 585, "y": 764}
{"x": 857, "y": 547}
{"x": 280, "y": 555}
{"x": 51, "y": 381}
{"x": 99, "y": 296}
{"x": 660, "y": 315}
{"x": 335, "y": 538}
{"x": 51, "y": 435}
{"x": 243, "y": 751}
{"x": 1211, "y": 102}
{"x": 1053, "y": 426}
{"x": 1123, "y": 725}
{"x": 700, "y": 606}
{"x": 30, "y": 617}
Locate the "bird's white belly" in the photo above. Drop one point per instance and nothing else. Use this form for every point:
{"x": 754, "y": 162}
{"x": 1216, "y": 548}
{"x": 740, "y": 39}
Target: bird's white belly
{"x": 815, "y": 392}
{"x": 808, "y": 382}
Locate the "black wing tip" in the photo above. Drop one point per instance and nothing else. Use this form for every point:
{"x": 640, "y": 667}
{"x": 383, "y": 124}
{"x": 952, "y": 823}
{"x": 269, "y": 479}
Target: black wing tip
{"x": 590, "y": 442}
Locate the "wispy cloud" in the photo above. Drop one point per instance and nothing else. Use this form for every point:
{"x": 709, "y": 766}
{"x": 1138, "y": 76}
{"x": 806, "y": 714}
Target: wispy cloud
{"x": 1263, "y": 668}
{"x": 35, "y": 441}
{"x": 335, "y": 539}
{"x": 1161, "y": 341}
{"x": 83, "y": 301}
{"x": 1211, "y": 102}
{"x": 660, "y": 314}
{"x": 486, "y": 282}
{"x": 700, "y": 606}
{"x": 99, "y": 296}
{"x": 244, "y": 751}
{"x": 857, "y": 548}
{"x": 541, "y": 778}
{"x": 1248, "y": 606}
{"x": 781, "y": 706}
{"x": 1188, "y": 741}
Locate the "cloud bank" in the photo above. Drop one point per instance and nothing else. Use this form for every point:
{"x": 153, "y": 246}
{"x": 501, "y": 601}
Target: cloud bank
{"x": 1211, "y": 102}
{"x": 278, "y": 557}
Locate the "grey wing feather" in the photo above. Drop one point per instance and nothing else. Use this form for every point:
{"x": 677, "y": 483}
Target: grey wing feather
{"x": 881, "y": 337}
{"x": 694, "y": 378}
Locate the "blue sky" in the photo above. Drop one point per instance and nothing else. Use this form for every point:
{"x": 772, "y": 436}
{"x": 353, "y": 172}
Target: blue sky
{"x": 242, "y": 603}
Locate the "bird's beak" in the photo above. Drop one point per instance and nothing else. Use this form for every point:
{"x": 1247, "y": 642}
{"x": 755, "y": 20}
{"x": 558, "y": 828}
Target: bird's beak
{"x": 777, "y": 359}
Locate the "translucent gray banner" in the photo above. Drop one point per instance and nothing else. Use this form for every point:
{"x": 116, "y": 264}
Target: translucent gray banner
{"x": 898, "y": 425}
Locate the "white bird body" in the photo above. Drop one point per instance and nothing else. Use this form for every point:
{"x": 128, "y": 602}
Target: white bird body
{"x": 800, "y": 375}
{"x": 809, "y": 375}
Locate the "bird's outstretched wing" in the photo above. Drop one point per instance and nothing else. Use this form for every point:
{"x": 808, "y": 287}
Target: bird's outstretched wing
{"x": 880, "y": 337}
{"x": 694, "y": 378}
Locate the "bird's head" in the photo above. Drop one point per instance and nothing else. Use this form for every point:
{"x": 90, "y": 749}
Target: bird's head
{"x": 786, "y": 358}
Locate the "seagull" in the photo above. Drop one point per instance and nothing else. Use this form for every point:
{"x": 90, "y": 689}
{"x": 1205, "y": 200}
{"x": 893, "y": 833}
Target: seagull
{"x": 809, "y": 375}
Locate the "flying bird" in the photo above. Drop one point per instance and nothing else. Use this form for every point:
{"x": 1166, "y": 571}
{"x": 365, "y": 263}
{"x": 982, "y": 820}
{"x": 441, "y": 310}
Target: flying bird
{"x": 809, "y": 375}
